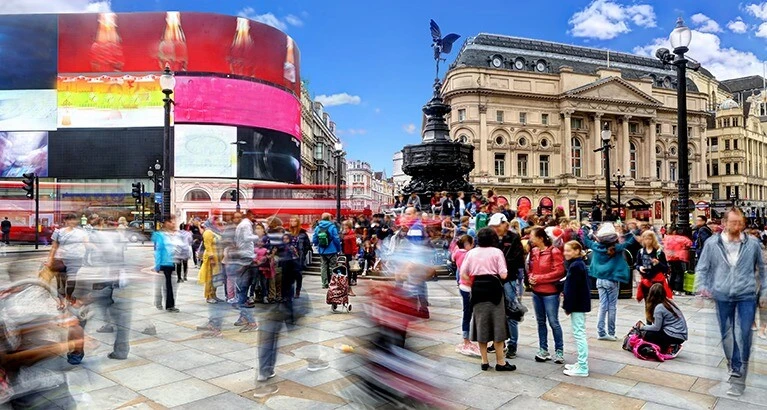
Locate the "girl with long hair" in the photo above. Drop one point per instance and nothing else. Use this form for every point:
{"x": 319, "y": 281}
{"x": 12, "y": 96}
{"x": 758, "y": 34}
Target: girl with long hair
{"x": 666, "y": 323}
{"x": 651, "y": 264}
{"x": 546, "y": 270}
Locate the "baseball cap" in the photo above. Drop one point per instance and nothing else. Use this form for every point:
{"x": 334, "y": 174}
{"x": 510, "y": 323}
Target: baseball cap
{"x": 497, "y": 219}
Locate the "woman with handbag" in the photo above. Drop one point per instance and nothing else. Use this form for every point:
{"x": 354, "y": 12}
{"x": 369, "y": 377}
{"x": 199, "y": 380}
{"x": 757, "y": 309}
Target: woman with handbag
{"x": 67, "y": 255}
{"x": 482, "y": 271}
{"x": 546, "y": 271}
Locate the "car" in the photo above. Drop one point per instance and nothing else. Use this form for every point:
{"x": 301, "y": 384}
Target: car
{"x": 136, "y": 234}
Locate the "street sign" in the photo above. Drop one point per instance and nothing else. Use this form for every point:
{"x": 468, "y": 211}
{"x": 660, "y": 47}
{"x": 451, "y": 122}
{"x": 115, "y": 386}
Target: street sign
{"x": 158, "y": 197}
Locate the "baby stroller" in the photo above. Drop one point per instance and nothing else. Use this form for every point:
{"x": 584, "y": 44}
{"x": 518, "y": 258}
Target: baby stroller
{"x": 338, "y": 291}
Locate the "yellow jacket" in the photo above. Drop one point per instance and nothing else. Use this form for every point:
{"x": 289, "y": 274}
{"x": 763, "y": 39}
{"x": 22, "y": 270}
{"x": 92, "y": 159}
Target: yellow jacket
{"x": 210, "y": 263}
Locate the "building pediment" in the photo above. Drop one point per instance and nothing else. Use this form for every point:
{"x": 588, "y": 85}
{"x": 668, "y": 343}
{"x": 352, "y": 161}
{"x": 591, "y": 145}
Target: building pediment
{"x": 612, "y": 89}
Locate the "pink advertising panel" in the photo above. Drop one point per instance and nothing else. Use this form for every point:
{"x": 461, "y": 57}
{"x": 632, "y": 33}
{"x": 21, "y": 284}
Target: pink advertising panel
{"x": 226, "y": 101}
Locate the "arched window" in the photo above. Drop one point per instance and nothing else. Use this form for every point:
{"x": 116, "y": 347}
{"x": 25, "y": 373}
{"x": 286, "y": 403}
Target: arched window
{"x": 632, "y": 160}
{"x": 227, "y": 195}
{"x": 197, "y": 195}
{"x": 577, "y": 157}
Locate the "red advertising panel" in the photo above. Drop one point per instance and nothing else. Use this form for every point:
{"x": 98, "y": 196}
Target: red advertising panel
{"x": 194, "y": 42}
{"x": 213, "y": 100}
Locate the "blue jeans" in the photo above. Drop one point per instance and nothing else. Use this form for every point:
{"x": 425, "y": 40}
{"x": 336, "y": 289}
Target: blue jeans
{"x": 735, "y": 320}
{"x": 547, "y": 307}
{"x": 244, "y": 280}
{"x": 608, "y": 304}
{"x": 509, "y": 289}
{"x": 467, "y": 311}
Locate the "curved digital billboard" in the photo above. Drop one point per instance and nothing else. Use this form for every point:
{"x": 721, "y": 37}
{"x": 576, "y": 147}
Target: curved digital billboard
{"x": 187, "y": 41}
{"x": 213, "y": 100}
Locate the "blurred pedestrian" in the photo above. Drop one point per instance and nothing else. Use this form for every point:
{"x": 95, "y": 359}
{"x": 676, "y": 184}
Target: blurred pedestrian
{"x": 5, "y": 227}
{"x": 328, "y": 243}
{"x": 164, "y": 263}
{"x": 182, "y": 257}
{"x": 66, "y": 255}
{"x": 732, "y": 272}
{"x": 210, "y": 259}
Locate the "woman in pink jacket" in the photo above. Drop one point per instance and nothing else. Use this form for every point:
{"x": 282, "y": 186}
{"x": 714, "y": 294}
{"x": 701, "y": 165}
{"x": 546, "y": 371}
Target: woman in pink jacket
{"x": 545, "y": 271}
{"x": 677, "y": 250}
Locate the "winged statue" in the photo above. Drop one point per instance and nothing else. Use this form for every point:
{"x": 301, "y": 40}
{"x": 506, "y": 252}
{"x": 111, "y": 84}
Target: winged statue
{"x": 441, "y": 45}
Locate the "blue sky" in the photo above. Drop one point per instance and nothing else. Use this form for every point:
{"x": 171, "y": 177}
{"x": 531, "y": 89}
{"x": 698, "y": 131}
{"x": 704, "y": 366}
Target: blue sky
{"x": 378, "y": 53}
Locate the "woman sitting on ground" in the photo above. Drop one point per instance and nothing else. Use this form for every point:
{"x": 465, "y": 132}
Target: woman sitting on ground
{"x": 666, "y": 324}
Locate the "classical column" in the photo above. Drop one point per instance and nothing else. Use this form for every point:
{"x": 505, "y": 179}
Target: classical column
{"x": 567, "y": 143}
{"x": 703, "y": 144}
{"x": 596, "y": 142}
{"x": 653, "y": 156}
{"x": 484, "y": 153}
{"x": 625, "y": 163}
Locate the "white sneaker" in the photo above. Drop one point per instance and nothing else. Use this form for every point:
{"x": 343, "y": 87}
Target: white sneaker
{"x": 571, "y": 366}
{"x": 315, "y": 366}
{"x": 266, "y": 391}
{"x": 263, "y": 378}
{"x": 576, "y": 371}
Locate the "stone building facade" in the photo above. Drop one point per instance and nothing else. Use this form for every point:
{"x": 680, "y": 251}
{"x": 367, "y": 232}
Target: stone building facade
{"x": 535, "y": 110}
{"x": 368, "y": 188}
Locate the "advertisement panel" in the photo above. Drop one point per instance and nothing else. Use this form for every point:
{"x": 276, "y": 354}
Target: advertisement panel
{"x": 104, "y": 153}
{"x": 110, "y": 101}
{"x": 269, "y": 155}
{"x": 205, "y": 151}
{"x": 194, "y": 42}
{"x": 27, "y": 110}
{"x": 28, "y": 45}
{"x": 22, "y": 152}
{"x": 213, "y": 100}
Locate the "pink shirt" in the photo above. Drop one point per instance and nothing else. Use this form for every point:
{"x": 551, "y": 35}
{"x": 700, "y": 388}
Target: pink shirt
{"x": 483, "y": 261}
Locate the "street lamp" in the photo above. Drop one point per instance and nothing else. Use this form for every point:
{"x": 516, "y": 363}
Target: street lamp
{"x": 619, "y": 184}
{"x": 154, "y": 172}
{"x": 606, "y": 137}
{"x": 339, "y": 152}
{"x": 167, "y": 83}
{"x": 239, "y": 145}
{"x": 680, "y": 39}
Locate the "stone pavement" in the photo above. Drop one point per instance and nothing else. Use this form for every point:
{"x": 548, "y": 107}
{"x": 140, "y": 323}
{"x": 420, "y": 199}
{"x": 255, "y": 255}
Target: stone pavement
{"x": 180, "y": 370}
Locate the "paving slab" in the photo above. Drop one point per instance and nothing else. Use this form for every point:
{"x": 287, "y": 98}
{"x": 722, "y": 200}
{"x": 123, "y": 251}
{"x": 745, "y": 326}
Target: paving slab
{"x": 181, "y": 392}
{"x": 146, "y": 376}
{"x": 668, "y": 396}
{"x": 581, "y": 397}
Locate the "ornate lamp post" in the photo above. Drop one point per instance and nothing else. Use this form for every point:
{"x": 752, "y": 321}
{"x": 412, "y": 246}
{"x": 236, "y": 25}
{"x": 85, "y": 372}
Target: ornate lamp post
{"x": 619, "y": 183}
{"x": 606, "y": 137}
{"x": 155, "y": 172}
{"x": 168, "y": 83}
{"x": 680, "y": 39}
{"x": 338, "y": 154}
{"x": 239, "y": 145}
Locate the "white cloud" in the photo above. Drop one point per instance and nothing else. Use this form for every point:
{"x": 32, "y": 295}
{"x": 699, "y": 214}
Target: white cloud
{"x": 271, "y": 19}
{"x": 294, "y": 20}
{"x": 377, "y": 110}
{"x": 705, "y": 24}
{"x": 737, "y": 26}
{"x": 54, "y": 6}
{"x": 357, "y": 131}
{"x": 706, "y": 48}
{"x": 758, "y": 10}
{"x": 409, "y": 128}
{"x": 338, "y": 99}
{"x": 761, "y": 31}
{"x": 606, "y": 19}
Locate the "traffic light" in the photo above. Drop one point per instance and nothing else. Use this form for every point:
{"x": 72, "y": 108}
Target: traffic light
{"x": 233, "y": 195}
{"x": 136, "y": 192}
{"x": 29, "y": 184}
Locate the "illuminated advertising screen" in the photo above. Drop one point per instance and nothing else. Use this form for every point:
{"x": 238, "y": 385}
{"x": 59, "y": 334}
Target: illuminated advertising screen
{"x": 269, "y": 155}
{"x": 193, "y": 42}
{"x": 23, "y": 152}
{"x": 28, "y": 45}
{"x": 213, "y": 100}
{"x": 205, "y": 151}
{"x": 110, "y": 101}
{"x": 104, "y": 153}
{"x": 27, "y": 110}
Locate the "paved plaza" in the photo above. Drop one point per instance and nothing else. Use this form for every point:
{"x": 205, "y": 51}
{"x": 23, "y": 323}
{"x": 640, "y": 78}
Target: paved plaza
{"x": 180, "y": 370}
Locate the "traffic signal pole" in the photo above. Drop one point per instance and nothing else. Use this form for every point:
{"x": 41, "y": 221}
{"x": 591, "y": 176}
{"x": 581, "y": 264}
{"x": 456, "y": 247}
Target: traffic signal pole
{"x": 37, "y": 212}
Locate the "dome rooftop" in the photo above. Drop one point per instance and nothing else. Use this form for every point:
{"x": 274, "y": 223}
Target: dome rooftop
{"x": 728, "y": 104}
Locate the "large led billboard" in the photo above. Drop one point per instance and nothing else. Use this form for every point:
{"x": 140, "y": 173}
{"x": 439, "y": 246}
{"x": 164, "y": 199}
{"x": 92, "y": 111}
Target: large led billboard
{"x": 22, "y": 152}
{"x": 107, "y": 101}
{"x": 104, "y": 153}
{"x": 27, "y": 110}
{"x": 269, "y": 155}
{"x": 28, "y": 51}
{"x": 213, "y": 100}
{"x": 187, "y": 41}
{"x": 205, "y": 151}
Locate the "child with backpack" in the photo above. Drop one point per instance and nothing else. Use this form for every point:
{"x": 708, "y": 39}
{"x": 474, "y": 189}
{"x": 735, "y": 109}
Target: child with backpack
{"x": 576, "y": 303}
